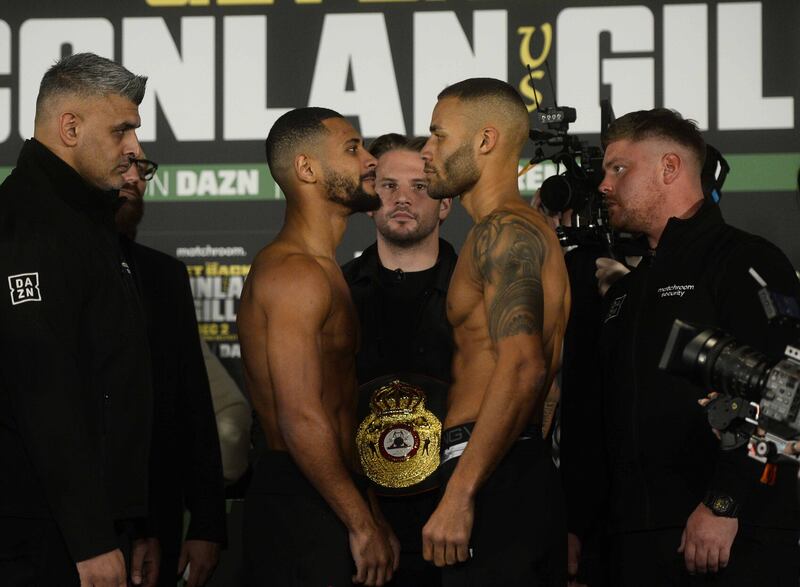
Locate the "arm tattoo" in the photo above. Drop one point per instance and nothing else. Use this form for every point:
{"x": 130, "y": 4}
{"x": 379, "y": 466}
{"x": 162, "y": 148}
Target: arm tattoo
{"x": 508, "y": 253}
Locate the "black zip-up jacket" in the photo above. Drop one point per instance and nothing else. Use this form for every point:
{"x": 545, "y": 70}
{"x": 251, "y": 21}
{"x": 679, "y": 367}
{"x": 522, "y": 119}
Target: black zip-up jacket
{"x": 662, "y": 455}
{"x": 186, "y": 465}
{"x": 432, "y": 351}
{"x": 75, "y": 386}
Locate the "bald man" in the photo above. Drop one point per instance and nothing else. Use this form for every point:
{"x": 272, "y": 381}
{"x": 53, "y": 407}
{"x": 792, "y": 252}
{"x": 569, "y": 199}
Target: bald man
{"x": 306, "y": 519}
{"x": 75, "y": 389}
{"x": 500, "y": 517}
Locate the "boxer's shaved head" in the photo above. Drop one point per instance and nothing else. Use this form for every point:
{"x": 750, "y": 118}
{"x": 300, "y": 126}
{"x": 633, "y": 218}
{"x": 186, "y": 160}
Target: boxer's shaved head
{"x": 495, "y": 102}
{"x": 298, "y": 130}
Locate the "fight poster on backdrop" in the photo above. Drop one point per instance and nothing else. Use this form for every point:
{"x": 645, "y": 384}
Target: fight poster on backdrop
{"x": 222, "y": 71}
{"x": 216, "y": 276}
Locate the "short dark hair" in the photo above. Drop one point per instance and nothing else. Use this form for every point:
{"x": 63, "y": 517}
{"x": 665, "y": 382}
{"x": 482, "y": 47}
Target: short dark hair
{"x": 661, "y": 123}
{"x": 394, "y": 142}
{"x": 87, "y": 74}
{"x": 290, "y": 131}
{"x": 494, "y": 92}
{"x": 483, "y": 87}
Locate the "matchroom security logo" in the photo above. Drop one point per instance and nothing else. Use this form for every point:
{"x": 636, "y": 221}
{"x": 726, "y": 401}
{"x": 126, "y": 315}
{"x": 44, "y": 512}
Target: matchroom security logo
{"x": 672, "y": 291}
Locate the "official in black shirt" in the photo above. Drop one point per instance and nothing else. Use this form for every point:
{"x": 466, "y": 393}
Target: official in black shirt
{"x": 75, "y": 385}
{"x": 399, "y": 286}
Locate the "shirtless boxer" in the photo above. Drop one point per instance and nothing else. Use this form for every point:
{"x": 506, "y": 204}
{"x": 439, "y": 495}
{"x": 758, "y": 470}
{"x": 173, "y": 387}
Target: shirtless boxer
{"x": 305, "y": 519}
{"x": 500, "y": 518}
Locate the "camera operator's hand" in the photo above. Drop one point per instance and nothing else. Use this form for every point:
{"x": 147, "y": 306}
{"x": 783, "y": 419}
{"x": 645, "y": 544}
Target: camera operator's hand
{"x": 608, "y": 271}
{"x": 573, "y": 560}
{"x": 792, "y": 449}
{"x": 706, "y": 541}
{"x": 704, "y": 402}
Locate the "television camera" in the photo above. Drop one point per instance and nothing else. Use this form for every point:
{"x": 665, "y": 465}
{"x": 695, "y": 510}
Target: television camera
{"x": 576, "y": 187}
{"x": 758, "y": 401}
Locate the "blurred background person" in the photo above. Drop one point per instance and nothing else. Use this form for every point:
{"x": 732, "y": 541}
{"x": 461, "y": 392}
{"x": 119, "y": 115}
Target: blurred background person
{"x": 185, "y": 463}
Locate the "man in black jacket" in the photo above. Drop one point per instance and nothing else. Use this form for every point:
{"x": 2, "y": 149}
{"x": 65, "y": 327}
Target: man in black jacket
{"x": 666, "y": 472}
{"x": 185, "y": 463}
{"x": 399, "y": 286}
{"x": 75, "y": 384}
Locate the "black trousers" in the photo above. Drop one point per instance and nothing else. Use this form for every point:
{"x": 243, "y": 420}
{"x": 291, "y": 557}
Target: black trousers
{"x": 33, "y": 553}
{"x": 519, "y": 534}
{"x": 759, "y": 556}
{"x": 292, "y": 538}
{"x": 407, "y": 515}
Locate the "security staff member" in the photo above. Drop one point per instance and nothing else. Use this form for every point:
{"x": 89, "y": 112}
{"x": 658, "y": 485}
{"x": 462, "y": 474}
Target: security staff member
{"x": 679, "y": 507}
{"x": 399, "y": 286}
{"x": 75, "y": 391}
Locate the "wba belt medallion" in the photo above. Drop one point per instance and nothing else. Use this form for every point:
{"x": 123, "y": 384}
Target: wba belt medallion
{"x": 398, "y": 441}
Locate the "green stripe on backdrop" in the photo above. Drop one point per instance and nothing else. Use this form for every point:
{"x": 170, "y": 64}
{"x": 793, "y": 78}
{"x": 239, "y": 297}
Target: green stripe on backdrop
{"x": 751, "y": 172}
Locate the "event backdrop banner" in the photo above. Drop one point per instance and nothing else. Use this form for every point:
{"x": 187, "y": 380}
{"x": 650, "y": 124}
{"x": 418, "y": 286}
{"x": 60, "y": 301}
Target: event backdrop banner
{"x": 222, "y": 71}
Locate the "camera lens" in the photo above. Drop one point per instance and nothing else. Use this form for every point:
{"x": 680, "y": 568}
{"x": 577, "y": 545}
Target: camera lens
{"x": 739, "y": 370}
{"x": 724, "y": 365}
{"x": 556, "y": 193}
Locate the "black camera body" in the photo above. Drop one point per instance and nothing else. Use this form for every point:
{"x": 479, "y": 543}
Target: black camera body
{"x": 576, "y": 188}
{"x": 759, "y": 401}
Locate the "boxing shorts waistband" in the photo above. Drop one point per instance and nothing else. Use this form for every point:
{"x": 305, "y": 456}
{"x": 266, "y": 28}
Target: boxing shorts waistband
{"x": 455, "y": 439}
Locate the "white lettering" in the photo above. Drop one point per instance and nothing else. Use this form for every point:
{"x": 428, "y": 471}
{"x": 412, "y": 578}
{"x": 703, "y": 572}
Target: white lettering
{"x": 247, "y": 116}
{"x": 185, "y": 183}
{"x": 686, "y": 61}
{"x": 227, "y": 177}
{"x": 367, "y": 57}
{"x": 443, "y": 55}
{"x": 741, "y": 104}
{"x": 40, "y": 44}
{"x": 247, "y": 182}
{"x": 229, "y": 351}
{"x": 5, "y": 93}
{"x": 158, "y": 185}
{"x": 578, "y": 51}
{"x": 207, "y": 183}
{"x": 183, "y": 82}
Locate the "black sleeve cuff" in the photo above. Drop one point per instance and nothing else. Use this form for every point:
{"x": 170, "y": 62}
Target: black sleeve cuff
{"x": 736, "y": 474}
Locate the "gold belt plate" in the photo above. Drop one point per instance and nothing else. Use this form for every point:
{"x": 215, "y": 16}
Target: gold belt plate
{"x": 398, "y": 442}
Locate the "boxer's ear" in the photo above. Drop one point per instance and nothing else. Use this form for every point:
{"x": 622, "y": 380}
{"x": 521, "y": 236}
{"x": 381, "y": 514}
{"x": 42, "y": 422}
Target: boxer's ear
{"x": 488, "y": 137}
{"x": 304, "y": 169}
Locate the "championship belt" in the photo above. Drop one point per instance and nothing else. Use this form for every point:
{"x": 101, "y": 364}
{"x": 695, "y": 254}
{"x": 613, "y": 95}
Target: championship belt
{"x": 399, "y": 437}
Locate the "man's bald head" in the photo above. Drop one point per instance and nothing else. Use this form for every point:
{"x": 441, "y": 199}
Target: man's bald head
{"x": 297, "y": 130}
{"x": 495, "y": 102}
{"x": 86, "y": 75}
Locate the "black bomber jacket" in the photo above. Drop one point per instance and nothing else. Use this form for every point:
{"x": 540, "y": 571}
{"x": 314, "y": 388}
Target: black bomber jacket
{"x": 661, "y": 455}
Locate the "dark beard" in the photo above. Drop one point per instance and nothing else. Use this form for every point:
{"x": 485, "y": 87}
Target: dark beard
{"x": 128, "y": 216}
{"x": 460, "y": 174}
{"x": 349, "y": 193}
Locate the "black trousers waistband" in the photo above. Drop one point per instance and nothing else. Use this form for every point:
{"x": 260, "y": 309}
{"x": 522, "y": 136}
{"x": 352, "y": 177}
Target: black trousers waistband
{"x": 458, "y": 434}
